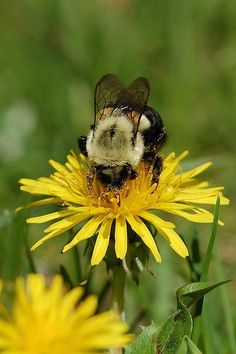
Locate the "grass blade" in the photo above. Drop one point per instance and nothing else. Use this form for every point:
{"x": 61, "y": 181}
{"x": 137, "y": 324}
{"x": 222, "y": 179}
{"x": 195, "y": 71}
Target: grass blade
{"x": 207, "y": 259}
{"x": 204, "y": 273}
{"x": 229, "y": 324}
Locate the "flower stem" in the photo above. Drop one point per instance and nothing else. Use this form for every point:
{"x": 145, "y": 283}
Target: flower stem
{"x": 118, "y": 290}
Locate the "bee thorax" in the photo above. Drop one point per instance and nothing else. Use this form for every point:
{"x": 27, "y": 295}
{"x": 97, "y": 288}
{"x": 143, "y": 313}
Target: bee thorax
{"x": 110, "y": 144}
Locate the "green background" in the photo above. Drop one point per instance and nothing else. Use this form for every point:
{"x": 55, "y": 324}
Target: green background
{"x": 52, "y": 53}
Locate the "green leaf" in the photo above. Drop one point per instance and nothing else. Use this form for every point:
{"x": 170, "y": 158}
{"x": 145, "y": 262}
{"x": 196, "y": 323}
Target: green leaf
{"x": 179, "y": 324}
{"x": 145, "y": 341}
{"x": 188, "y": 294}
{"x": 188, "y": 347}
{"x": 192, "y": 349}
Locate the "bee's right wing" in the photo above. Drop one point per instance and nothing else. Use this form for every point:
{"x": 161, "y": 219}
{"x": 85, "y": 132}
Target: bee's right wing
{"x": 138, "y": 91}
{"x": 108, "y": 91}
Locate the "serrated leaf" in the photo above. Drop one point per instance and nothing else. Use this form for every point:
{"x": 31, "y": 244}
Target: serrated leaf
{"x": 179, "y": 325}
{"x": 188, "y": 294}
{"x": 145, "y": 342}
{"x": 173, "y": 331}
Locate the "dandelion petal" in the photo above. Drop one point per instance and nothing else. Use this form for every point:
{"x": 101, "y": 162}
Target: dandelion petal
{"x": 206, "y": 217}
{"x": 88, "y": 230}
{"x": 102, "y": 242}
{"x": 174, "y": 241}
{"x": 141, "y": 229}
{"x": 49, "y": 217}
{"x": 155, "y": 220}
{"x": 61, "y": 323}
{"x": 121, "y": 237}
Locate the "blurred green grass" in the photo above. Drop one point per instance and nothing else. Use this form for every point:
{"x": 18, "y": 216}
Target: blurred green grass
{"x": 51, "y": 55}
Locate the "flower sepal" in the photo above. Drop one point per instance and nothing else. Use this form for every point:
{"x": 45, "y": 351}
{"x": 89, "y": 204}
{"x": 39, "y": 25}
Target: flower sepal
{"x": 137, "y": 260}
{"x": 111, "y": 259}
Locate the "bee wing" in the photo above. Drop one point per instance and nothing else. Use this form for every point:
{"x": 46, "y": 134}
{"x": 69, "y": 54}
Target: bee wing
{"x": 108, "y": 93}
{"x": 111, "y": 94}
{"x": 139, "y": 91}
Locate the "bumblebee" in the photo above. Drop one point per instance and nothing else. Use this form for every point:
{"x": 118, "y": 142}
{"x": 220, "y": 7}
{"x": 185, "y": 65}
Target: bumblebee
{"x": 125, "y": 131}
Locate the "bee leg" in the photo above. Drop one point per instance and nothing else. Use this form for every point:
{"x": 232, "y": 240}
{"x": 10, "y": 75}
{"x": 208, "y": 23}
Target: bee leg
{"x": 157, "y": 168}
{"x": 133, "y": 174}
{"x": 90, "y": 174}
{"x": 82, "y": 141}
{"x": 129, "y": 172}
{"x": 149, "y": 156}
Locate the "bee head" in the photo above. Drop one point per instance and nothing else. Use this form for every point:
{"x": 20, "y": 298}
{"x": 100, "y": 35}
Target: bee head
{"x": 114, "y": 177}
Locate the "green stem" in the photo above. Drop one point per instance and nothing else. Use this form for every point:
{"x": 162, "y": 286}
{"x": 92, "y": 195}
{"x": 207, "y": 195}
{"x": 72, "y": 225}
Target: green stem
{"x": 118, "y": 290}
{"x": 29, "y": 256}
{"x": 77, "y": 264}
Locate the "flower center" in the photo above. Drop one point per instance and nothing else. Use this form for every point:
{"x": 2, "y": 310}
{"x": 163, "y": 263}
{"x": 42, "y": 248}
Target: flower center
{"x": 136, "y": 195}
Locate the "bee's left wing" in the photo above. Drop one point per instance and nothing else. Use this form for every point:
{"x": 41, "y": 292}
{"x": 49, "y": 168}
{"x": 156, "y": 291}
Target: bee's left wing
{"x": 108, "y": 93}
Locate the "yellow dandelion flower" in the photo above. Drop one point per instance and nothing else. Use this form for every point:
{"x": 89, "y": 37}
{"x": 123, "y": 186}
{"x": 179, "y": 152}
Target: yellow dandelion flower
{"x": 46, "y": 320}
{"x": 138, "y": 203}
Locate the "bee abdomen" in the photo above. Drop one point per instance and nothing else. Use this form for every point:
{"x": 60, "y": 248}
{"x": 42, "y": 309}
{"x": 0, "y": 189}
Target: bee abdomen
{"x": 155, "y": 136}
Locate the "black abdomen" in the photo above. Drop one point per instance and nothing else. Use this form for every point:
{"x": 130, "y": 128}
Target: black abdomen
{"x": 155, "y": 136}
